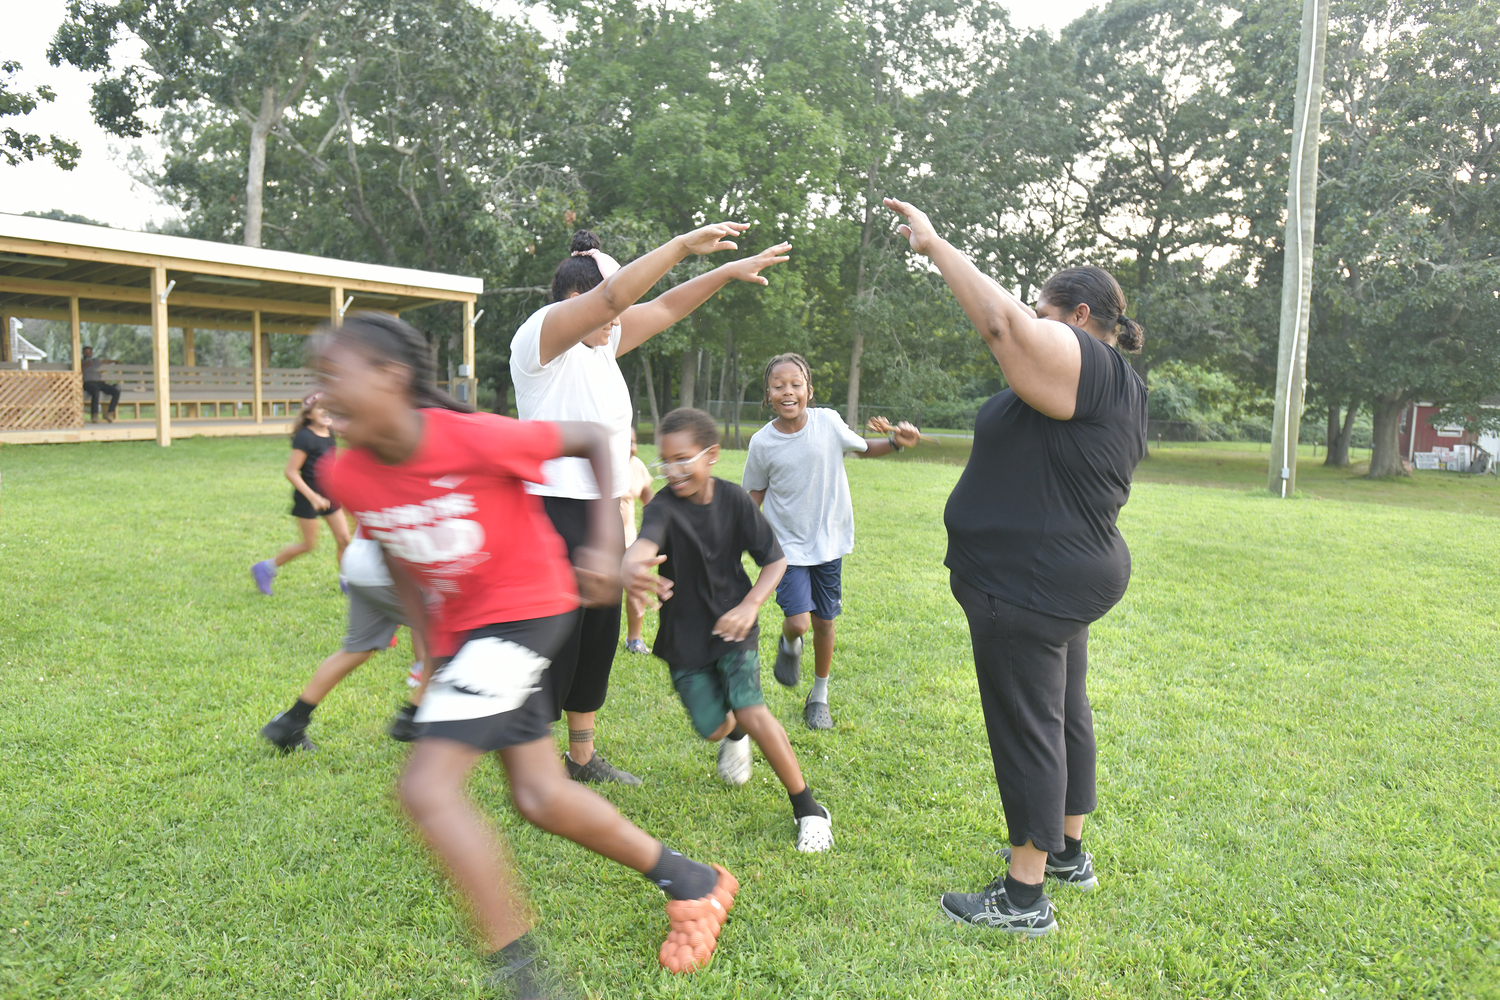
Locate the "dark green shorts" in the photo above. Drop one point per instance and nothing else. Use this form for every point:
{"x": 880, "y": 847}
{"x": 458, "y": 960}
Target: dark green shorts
{"x": 712, "y": 692}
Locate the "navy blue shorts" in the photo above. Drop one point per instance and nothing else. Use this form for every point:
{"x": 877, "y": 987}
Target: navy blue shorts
{"x": 819, "y": 589}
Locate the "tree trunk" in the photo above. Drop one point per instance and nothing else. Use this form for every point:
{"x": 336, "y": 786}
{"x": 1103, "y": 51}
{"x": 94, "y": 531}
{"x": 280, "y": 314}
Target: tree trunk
{"x": 651, "y": 396}
{"x": 1339, "y": 436}
{"x": 689, "y": 381}
{"x": 1385, "y": 460}
{"x": 502, "y": 398}
{"x": 255, "y": 180}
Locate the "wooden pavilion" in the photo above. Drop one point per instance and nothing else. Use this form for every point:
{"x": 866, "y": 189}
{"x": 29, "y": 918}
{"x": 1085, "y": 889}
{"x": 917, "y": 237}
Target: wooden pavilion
{"x": 91, "y": 274}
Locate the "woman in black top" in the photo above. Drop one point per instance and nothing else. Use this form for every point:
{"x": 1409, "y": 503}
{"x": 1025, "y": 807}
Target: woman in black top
{"x": 312, "y": 437}
{"x": 1035, "y": 556}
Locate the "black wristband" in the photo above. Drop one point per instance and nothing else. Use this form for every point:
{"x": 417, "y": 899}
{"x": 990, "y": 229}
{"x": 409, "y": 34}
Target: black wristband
{"x": 894, "y": 445}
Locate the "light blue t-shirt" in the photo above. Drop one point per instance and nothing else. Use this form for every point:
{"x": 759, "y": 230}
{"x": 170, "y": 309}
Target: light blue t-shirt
{"x": 807, "y": 491}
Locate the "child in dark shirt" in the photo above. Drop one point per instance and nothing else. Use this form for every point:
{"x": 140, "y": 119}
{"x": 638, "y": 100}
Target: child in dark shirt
{"x": 696, "y": 532}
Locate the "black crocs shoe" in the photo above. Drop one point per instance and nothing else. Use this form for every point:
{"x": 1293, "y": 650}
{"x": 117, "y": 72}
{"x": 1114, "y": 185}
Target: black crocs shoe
{"x": 527, "y": 976}
{"x": 993, "y": 908}
{"x": 788, "y": 669}
{"x": 817, "y": 715}
{"x": 1077, "y": 872}
{"x": 403, "y": 727}
{"x": 599, "y": 771}
{"x": 287, "y": 733}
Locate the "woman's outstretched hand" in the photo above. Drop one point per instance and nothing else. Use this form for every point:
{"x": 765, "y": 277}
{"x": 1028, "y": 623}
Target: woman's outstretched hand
{"x": 749, "y": 269}
{"x": 917, "y": 229}
{"x": 710, "y": 239}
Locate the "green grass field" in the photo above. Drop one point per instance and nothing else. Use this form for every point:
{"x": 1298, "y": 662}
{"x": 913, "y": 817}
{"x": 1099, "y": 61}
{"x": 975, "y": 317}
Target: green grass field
{"x": 1298, "y": 710}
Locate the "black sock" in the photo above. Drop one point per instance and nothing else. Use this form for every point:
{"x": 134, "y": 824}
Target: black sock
{"x": 1070, "y": 849}
{"x": 1022, "y": 896}
{"x": 681, "y": 877}
{"x": 301, "y": 711}
{"x": 737, "y": 733}
{"x": 803, "y": 803}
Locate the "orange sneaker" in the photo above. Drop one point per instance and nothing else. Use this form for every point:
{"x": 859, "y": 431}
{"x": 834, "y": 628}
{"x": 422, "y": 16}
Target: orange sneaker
{"x": 695, "y": 925}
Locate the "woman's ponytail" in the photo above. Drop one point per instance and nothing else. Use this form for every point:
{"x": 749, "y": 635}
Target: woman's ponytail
{"x": 1097, "y": 289}
{"x": 1131, "y": 337}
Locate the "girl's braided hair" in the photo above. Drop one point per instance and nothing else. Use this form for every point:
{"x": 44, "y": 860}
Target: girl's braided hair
{"x": 383, "y": 337}
{"x": 786, "y": 359}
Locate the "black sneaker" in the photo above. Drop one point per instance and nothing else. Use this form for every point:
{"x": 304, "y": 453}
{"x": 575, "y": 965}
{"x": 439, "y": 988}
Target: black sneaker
{"x": 529, "y": 977}
{"x": 287, "y": 733}
{"x": 993, "y": 908}
{"x": 1077, "y": 872}
{"x": 788, "y": 668}
{"x": 403, "y": 727}
{"x": 599, "y": 771}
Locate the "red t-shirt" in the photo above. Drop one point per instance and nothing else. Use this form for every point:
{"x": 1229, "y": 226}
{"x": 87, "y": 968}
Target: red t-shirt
{"x": 457, "y": 516}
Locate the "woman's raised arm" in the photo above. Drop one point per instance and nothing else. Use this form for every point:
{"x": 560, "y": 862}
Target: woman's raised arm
{"x": 571, "y": 320}
{"x": 645, "y": 320}
{"x": 1040, "y": 358}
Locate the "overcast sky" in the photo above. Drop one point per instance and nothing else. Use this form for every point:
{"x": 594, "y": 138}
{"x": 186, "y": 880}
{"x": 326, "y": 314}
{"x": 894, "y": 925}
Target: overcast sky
{"x": 101, "y": 187}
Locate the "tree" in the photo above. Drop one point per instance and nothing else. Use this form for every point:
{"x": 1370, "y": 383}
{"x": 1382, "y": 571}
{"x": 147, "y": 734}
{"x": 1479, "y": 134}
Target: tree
{"x": 17, "y": 145}
{"x": 252, "y": 60}
{"x": 1410, "y": 259}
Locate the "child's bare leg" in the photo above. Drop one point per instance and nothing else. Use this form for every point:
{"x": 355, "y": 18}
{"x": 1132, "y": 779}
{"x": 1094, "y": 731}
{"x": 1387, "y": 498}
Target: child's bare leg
{"x": 823, "y": 641}
{"x": 330, "y": 672}
{"x": 432, "y": 790}
{"x": 796, "y": 626}
{"x": 338, "y": 523}
{"x": 635, "y": 614}
{"x": 548, "y": 799}
{"x": 772, "y": 740}
{"x": 309, "y": 542}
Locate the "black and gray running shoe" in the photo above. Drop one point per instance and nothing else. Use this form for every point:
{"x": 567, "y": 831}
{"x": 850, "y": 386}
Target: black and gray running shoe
{"x": 788, "y": 668}
{"x": 528, "y": 977}
{"x": 287, "y": 733}
{"x": 599, "y": 771}
{"x": 993, "y": 908}
{"x": 403, "y": 727}
{"x": 1077, "y": 872}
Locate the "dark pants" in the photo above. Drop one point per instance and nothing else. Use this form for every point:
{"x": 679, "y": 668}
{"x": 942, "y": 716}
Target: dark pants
{"x": 580, "y": 671}
{"x": 1032, "y": 670}
{"x": 93, "y": 391}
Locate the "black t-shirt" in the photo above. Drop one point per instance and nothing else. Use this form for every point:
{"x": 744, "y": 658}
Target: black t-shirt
{"x": 1032, "y": 519}
{"x": 313, "y": 446}
{"x": 703, "y": 544}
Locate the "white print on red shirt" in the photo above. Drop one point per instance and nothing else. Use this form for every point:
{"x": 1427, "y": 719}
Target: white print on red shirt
{"x": 433, "y": 535}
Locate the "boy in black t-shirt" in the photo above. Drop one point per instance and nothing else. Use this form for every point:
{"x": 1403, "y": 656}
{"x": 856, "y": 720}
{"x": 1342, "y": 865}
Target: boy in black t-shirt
{"x": 696, "y": 531}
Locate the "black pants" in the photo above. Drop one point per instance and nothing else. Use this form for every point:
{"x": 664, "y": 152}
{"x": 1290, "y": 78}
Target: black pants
{"x": 581, "y": 670}
{"x": 1033, "y": 672}
{"x": 94, "y": 389}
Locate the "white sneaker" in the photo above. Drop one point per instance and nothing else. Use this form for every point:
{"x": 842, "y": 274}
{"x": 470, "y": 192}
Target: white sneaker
{"x": 414, "y": 675}
{"x": 815, "y": 833}
{"x": 734, "y": 760}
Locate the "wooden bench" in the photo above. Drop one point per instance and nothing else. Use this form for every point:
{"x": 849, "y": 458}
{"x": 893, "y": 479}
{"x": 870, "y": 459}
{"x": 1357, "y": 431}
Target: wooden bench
{"x": 214, "y": 392}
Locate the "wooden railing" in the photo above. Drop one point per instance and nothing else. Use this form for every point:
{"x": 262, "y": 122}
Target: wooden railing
{"x": 40, "y": 400}
{"x": 214, "y": 392}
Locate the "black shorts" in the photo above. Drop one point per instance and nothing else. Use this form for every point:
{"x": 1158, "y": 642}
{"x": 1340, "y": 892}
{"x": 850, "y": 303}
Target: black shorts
{"x": 303, "y": 508}
{"x": 496, "y": 691}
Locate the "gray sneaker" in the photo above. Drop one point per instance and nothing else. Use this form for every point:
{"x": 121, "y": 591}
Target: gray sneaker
{"x": 1077, "y": 872}
{"x": 993, "y": 908}
{"x": 599, "y": 771}
{"x": 788, "y": 669}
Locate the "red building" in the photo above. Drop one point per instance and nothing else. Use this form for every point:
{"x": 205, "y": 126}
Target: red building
{"x": 1428, "y": 437}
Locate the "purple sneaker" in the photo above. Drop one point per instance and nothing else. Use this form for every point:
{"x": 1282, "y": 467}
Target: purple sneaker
{"x": 264, "y": 572}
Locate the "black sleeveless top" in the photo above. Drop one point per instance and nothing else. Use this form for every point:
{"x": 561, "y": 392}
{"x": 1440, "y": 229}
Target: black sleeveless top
{"x": 1032, "y": 519}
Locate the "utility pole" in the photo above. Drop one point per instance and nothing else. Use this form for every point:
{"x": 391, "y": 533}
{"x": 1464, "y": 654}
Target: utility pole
{"x": 1296, "y": 277}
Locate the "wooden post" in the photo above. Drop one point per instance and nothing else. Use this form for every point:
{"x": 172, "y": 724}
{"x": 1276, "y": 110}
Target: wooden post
{"x": 473, "y": 399}
{"x": 77, "y": 336}
{"x": 189, "y": 348}
{"x": 5, "y": 348}
{"x": 255, "y": 363}
{"x": 335, "y": 305}
{"x": 160, "y": 358}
